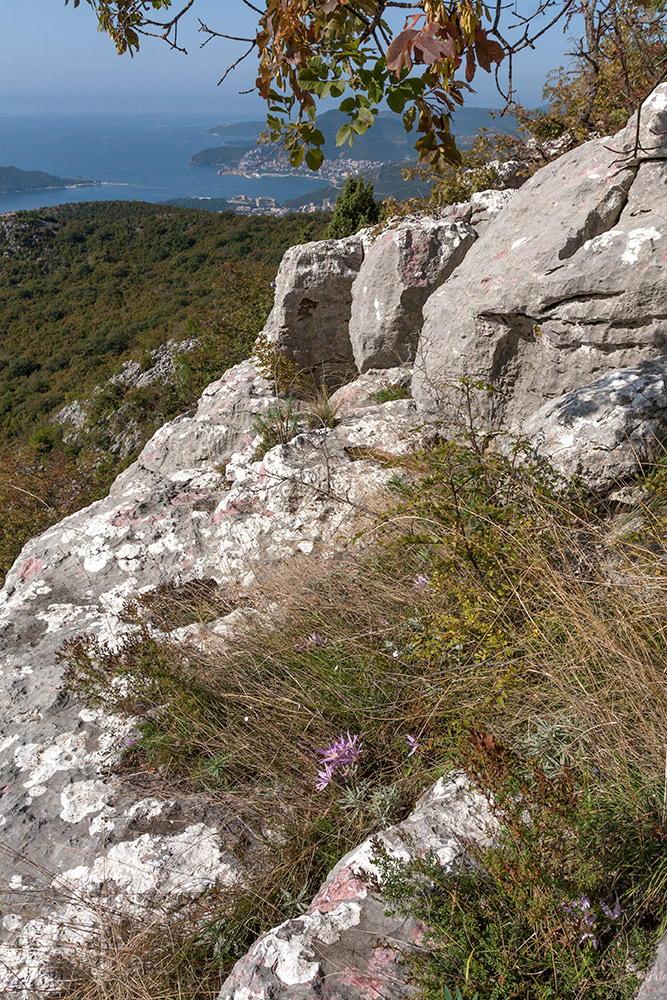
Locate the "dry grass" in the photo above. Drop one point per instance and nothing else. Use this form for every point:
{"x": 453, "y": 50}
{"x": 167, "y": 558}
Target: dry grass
{"x": 531, "y": 625}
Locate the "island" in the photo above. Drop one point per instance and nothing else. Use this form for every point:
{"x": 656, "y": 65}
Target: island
{"x": 16, "y": 181}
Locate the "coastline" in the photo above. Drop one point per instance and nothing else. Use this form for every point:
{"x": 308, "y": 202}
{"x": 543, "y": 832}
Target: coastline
{"x": 53, "y": 187}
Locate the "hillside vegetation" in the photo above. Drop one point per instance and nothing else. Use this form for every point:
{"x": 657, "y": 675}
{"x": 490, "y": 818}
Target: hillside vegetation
{"x": 491, "y": 623}
{"x": 88, "y": 286}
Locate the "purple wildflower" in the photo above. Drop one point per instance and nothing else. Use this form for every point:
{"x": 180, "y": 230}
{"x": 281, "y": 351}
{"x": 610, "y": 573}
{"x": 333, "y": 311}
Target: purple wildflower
{"x": 130, "y": 743}
{"x": 586, "y": 916}
{"x": 614, "y": 913}
{"x": 324, "y": 777}
{"x": 413, "y": 744}
{"x": 340, "y": 756}
{"x": 312, "y": 640}
{"x": 421, "y": 582}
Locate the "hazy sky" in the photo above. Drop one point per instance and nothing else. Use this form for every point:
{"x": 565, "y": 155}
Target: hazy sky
{"x": 53, "y": 59}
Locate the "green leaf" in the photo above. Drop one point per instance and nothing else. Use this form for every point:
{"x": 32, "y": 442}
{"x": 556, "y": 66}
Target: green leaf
{"x": 409, "y": 118}
{"x": 366, "y": 116}
{"x": 314, "y": 158}
{"x": 347, "y": 105}
{"x": 343, "y": 134}
{"x": 296, "y": 157}
{"x": 308, "y": 79}
{"x": 396, "y": 101}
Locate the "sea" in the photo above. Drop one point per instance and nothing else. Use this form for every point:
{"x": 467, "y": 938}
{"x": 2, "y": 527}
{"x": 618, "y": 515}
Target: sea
{"x": 135, "y": 157}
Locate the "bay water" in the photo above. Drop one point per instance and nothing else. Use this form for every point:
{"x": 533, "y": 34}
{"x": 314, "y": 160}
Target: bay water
{"x": 137, "y": 157}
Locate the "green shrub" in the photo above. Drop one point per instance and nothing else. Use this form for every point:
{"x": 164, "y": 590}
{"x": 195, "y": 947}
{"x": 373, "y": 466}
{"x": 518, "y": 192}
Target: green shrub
{"x": 355, "y": 208}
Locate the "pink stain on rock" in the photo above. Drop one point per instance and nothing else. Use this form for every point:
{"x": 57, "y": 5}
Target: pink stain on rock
{"x": 344, "y": 887}
{"x": 182, "y": 499}
{"x": 30, "y": 568}
{"x": 124, "y": 518}
{"x": 419, "y": 932}
{"x": 381, "y": 974}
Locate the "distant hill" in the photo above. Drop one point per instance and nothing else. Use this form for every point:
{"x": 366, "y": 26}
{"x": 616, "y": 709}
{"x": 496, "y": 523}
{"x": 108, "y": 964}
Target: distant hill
{"x": 388, "y": 182}
{"x": 15, "y": 181}
{"x": 221, "y": 156}
{"x": 386, "y": 142}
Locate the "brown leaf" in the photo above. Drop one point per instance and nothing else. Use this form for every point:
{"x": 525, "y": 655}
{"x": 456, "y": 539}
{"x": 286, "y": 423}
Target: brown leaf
{"x": 470, "y": 65}
{"x": 487, "y": 50}
{"x": 398, "y": 52}
{"x": 483, "y": 741}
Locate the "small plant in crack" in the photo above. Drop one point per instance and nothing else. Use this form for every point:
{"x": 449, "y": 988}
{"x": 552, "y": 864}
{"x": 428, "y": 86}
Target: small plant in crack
{"x": 277, "y": 426}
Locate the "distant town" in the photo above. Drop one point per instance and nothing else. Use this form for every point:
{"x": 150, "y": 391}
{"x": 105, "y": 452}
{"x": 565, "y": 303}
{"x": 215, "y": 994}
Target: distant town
{"x": 243, "y": 204}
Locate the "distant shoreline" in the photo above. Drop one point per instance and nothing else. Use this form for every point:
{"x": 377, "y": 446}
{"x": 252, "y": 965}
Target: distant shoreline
{"x": 52, "y": 187}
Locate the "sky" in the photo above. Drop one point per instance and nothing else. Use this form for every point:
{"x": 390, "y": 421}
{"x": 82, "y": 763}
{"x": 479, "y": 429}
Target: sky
{"x": 52, "y": 59}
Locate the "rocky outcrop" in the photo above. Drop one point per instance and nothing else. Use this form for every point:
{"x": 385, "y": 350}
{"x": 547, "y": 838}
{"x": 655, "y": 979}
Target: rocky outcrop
{"x": 123, "y": 433}
{"x": 360, "y": 299}
{"x": 605, "y": 432}
{"x": 313, "y": 301}
{"x": 556, "y": 295}
{"x": 76, "y": 834}
{"x": 400, "y": 269}
{"x": 346, "y": 946}
{"x": 565, "y": 285}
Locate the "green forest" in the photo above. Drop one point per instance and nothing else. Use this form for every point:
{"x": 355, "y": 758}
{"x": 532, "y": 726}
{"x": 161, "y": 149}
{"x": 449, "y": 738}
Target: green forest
{"x": 84, "y": 288}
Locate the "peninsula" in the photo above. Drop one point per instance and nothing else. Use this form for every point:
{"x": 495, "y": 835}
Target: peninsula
{"x": 15, "y": 181}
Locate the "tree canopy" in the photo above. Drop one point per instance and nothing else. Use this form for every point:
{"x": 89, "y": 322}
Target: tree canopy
{"x": 309, "y": 50}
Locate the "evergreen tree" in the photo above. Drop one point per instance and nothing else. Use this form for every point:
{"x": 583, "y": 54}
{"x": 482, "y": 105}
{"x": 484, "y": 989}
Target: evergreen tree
{"x": 355, "y": 208}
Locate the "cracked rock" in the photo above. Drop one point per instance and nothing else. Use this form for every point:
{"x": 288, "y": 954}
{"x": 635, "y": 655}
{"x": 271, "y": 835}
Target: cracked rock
{"x": 567, "y": 283}
{"x": 605, "y": 432}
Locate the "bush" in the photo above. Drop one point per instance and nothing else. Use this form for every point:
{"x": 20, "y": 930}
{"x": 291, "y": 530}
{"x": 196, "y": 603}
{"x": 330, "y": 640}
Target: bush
{"x": 355, "y": 208}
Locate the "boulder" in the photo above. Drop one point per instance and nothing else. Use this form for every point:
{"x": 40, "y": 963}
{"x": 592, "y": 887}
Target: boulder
{"x": 400, "y": 269}
{"x": 313, "y": 300}
{"x": 606, "y": 431}
{"x": 346, "y": 946}
{"x": 566, "y": 283}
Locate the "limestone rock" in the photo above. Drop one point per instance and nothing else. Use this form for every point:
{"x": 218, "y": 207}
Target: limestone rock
{"x": 565, "y": 284}
{"x": 400, "y": 269}
{"x": 606, "y": 431}
{"x": 363, "y": 391}
{"x": 76, "y": 835}
{"x": 345, "y": 947}
{"x": 313, "y": 299}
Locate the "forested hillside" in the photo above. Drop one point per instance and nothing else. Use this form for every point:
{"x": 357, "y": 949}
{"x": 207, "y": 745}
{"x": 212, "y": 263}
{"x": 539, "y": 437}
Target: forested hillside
{"x": 86, "y": 287}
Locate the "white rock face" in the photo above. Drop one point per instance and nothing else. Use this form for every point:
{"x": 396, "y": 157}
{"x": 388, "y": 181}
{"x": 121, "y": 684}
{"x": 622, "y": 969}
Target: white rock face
{"x": 566, "y": 283}
{"x": 311, "y": 313}
{"x": 196, "y": 505}
{"x": 346, "y": 945}
{"x": 400, "y": 269}
{"x": 604, "y": 432}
